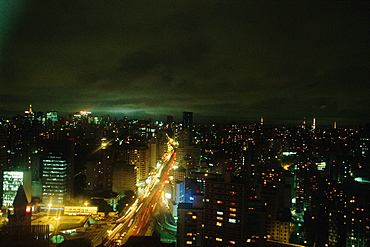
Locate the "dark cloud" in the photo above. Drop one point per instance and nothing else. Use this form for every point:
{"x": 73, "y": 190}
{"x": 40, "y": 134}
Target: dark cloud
{"x": 222, "y": 60}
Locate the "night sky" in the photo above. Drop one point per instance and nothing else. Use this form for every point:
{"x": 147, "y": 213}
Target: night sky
{"x": 223, "y": 60}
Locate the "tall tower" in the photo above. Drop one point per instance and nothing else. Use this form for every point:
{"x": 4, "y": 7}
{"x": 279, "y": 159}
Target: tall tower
{"x": 3, "y": 143}
{"x": 313, "y": 123}
{"x": 187, "y": 120}
{"x": 187, "y": 127}
{"x": 304, "y": 123}
{"x": 30, "y": 110}
{"x": 29, "y": 113}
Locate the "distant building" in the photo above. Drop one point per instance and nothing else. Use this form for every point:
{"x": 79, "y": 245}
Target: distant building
{"x": 188, "y": 157}
{"x": 52, "y": 116}
{"x": 3, "y": 140}
{"x": 187, "y": 120}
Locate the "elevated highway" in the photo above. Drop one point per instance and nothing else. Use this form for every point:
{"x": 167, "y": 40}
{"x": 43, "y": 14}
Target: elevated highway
{"x": 139, "y": 219}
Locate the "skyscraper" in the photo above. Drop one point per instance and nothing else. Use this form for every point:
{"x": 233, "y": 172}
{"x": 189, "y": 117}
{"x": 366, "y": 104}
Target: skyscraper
{"x": 12, "y": 180}
{"x": 3, "y": 156}
{"x": 52, "y": 116}
{"x": 57, "y": 172}
{"x": 232, "y": 214}
{"x": 187, "y": 120}
{"x": 55, "y": 180}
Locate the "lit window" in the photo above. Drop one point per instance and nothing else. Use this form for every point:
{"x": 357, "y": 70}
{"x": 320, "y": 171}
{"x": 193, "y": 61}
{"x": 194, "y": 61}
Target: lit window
{"x": 233, "y": 209}
{"x": 219, "y": 202}
{"x": 232, "y": 242}
{"x": 189, "y": 242}
{"x": 218, "y": 224}
{"x": 220, "y": 218}
{"x": 220, "y": 213}
{"x": 219, "y": 239}
{"x": 233, "y": 215}
{"x": 189, "y": 234}
{"x": 190, "y": 212}
{"x": 232, "y": 220}
{"x": 194, "y": 217}
{"x": 232, "y": 203}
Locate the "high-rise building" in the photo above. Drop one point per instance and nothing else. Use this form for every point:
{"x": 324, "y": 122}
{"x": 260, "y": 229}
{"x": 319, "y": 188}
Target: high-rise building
{"x": 57, "y": 171}
{"x": 348, "y": 214}
{"x": 52, "y": 116}
{"x": 55, "y": 180}
{"x": 12, "y": 180}
{"x": 169, "y": 121}
{"x": 232, "y": 214}
{"x": 3, "y": 156}
{"x": 313, "y": 124}
{"x": 29, "y": 114}
{"x": 187, "y": 120}
{"x": 189, "y": 224}
{"x": 118, "y": 168}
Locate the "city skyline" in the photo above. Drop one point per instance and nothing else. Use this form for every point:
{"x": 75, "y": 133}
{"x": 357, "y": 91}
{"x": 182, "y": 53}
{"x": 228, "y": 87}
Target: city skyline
{"x": 285, "y": 61}
{"x": 102, "y": 181}
{"x": 54, "y": 115}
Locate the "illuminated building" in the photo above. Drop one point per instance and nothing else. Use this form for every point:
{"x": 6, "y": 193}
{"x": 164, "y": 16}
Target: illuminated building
{"x": 138, "y": 156}
{"x": 83, "y": 116}
{"x": 57, "y": 169}
{"x": 313, "y": 124}
{"x": 188, "y": 157}
{"x": 118, "y": 168}
{"x": 348, "y": 214}
{"x": 29, "y": 114}
{"x": 130, "y": 167}
{"x": 146, "y": 130}
{"x": 12, "y": 180}
{"x": 232, "y": 214}
{"x": 189, "y": 224}
{"x": 52, "y": 116}
{"x": 304, "y": 124}
{"x": 55, "y": 180}
{"x": 19, "y": 231}
{"x": 274, "y": 196}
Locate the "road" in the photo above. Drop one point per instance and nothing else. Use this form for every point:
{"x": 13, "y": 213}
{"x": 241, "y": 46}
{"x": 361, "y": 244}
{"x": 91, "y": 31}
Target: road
{"x": 139, "y": 219}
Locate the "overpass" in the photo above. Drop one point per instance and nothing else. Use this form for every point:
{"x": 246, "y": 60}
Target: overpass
{"x": 138, "y": 219}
